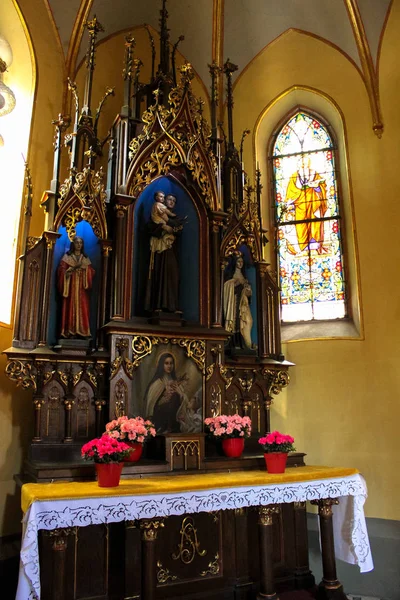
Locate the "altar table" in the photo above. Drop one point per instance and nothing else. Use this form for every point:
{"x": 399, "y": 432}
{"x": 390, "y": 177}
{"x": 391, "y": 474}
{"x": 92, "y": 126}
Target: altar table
{"x": 52, "y": 506}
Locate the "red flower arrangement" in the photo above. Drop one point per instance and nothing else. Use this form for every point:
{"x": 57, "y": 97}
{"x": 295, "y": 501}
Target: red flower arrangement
{"x": 277, "y": 442}
{"x": 228, "y": 426}
{"x": 105, "y": 450}
{"x": 130, "y": 430}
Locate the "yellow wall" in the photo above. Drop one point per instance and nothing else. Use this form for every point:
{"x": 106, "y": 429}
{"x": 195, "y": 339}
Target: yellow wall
{"x": 16, "y": 419}
{"x": 342, "y": 404}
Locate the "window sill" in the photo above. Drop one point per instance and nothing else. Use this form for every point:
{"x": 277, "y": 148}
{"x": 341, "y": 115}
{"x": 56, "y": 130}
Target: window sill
{"x": 320, "y": 330}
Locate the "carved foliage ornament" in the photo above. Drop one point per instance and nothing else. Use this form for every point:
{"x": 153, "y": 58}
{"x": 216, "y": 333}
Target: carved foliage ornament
{"x": 171, "y": 137}
{"x": 22, "y": 373}
{"x": 143, "y": 346}
{"x": 83, "y": 197}
{"x": 277, "y": 380}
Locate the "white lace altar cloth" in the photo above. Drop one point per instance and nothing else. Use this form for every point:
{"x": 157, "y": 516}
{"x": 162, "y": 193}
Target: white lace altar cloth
{"x": 350, "y": 531}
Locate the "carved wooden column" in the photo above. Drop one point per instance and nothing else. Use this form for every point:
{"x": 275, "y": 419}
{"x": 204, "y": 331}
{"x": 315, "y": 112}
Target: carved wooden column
{"x": 106, "y": 247}
{"x": 243, "y": 581}
{"x": 51, "y": 238}
{"x": 38, "y": 401}
{"x": 330, "y": 587}
{"x": 265, "y": 522}
{"x": 267, "y": 414}
{"x": 304, "y": 577}
{"x": 263, "y": 311}
{"x": 100, "y": 401}
{"x": 216, "y": 308}
{"x": 69, "y": 401}
{"x": 119, "y": 262}
{"x": 149, "y": 529}
{"x": 133, "y": 565}
{"x": 59, "y": 547}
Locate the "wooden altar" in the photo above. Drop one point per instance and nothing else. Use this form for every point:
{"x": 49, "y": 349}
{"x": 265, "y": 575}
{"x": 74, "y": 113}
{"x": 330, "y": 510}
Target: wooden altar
{"x": 228, "y": 535}
{"x": 159, "y": 259}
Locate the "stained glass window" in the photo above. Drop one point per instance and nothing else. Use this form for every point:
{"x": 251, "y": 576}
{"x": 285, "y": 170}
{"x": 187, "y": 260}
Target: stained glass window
{"x": 307, "y": 220}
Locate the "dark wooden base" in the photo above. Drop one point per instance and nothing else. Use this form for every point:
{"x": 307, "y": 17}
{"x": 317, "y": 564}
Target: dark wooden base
{"x": 207, "y": 555}
{"x": 328, "y": 592}
{"x": 37, "y": 471}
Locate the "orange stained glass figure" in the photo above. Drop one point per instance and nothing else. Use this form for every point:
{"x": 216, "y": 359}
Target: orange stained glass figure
{"x": 306, "y": 195}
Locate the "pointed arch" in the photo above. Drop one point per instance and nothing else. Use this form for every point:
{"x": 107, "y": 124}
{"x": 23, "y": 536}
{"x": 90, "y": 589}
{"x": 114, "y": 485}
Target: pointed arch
{"x": 307, "y": 220}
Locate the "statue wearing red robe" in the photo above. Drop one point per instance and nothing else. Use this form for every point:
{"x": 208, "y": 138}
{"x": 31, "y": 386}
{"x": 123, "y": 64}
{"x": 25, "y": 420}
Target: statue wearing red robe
{"x": 74, "y": 280}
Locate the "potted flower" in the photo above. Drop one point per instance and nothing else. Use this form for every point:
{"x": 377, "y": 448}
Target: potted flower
{"x": 231, "y": 430}
{"x": 276, "y": 446}
{"x": 133, "y": 432}
{"x": 108, "y": 455}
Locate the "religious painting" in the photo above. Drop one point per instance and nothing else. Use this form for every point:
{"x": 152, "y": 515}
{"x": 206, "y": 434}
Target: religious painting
{"x": 308, "y": 222}
{"x": 168, "y": 390}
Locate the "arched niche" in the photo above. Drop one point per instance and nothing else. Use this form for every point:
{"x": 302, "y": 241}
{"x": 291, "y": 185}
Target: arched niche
{"x": 93, "y": 251}
{"x": 188, "y": 248}
{"x": 251, "y": 276}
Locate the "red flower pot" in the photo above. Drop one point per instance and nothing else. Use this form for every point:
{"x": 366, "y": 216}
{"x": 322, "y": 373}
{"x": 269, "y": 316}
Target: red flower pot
{"x": 233, "y": 447}
{"x": 138, "y": 449}
{"x": 275, "y": 461}
{"x": 108, "y": 474}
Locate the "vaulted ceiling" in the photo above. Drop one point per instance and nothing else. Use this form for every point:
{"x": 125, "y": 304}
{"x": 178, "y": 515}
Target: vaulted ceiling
{"x": 245, "y": 26}
{"x": 239, "y": 29}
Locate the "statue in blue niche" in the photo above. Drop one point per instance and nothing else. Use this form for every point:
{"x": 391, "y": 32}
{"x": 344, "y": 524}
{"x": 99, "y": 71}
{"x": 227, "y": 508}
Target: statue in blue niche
{"x": 162, "y": 292}
{"x": 236, "y": 304}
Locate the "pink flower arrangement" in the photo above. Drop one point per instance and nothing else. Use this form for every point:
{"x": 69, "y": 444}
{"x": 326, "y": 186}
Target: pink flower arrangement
{"x": 228, "y": 426}
{"x": 130, "y": 430}
{"x": 105, "y": 450}
{"x": 277, "y": 442}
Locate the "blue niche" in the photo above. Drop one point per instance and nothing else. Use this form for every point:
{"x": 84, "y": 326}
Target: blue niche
{"x": 93, "y": 250}
{"x": 187, "y": 248}
{"x": 250, "y": 274}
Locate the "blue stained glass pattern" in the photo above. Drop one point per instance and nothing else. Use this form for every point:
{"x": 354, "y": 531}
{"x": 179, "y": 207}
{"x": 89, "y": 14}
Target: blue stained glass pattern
{"x": 308, "y": 222}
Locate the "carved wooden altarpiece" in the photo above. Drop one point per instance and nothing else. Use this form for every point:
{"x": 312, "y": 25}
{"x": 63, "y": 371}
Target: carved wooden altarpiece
{"x": 159, "y": 141}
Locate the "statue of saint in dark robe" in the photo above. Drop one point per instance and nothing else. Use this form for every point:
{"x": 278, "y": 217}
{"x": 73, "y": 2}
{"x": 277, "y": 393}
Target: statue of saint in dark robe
{"x": 162, "y": 291}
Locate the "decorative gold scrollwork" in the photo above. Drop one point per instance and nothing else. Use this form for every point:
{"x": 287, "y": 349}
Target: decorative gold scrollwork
{"x": 84, "y": 198}
{"x": 31, "y": 242}
{"x": 22, "y": 373}
{"x": 224, "y": 373}
{"x": 77, "y": 377}
{"x": 143, "y": 345}
{"x": 277, "y": 380}
{"x": 120, "y": 398}
{"x": 163, "y": 574}
{"x": 213, "y": 567}
{"x": 150, "y": 528}
{"x": 195, "y": 349}
{"x": 164, "y": 156}
{"x": 215, "y": 402}
{"x": 189, "y": 545}
{"x": 210, "y": 371}
{"x": 266, "y": 513}
{"x": 122, "y": 346}
{"x": 247, "y": 380}
{"x": 325, "y": 506}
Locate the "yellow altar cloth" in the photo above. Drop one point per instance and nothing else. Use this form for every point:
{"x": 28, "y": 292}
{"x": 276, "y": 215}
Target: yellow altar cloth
{"x": 32, "y": 492}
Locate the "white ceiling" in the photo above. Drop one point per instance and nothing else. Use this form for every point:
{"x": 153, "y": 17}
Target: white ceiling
{"x": 249, "y": 25}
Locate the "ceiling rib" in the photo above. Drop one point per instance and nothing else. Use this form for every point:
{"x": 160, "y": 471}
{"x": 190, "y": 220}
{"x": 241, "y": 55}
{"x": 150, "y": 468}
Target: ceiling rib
{"x": 370, "y": 78}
